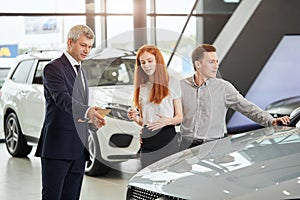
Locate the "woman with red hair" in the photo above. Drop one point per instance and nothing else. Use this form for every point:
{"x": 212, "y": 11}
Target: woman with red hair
{"x": 157, "y": 97}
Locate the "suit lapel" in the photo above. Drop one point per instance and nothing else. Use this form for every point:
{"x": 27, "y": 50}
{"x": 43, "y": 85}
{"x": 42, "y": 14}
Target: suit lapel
{"x": 78, "y": 87}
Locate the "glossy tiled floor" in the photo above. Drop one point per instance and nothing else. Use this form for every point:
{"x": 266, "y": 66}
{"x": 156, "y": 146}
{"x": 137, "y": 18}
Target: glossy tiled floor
{"x": 20, "y": 178}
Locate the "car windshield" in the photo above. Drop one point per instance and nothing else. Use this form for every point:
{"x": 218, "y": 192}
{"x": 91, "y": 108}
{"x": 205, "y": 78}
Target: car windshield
{"x": 113, "y": 71}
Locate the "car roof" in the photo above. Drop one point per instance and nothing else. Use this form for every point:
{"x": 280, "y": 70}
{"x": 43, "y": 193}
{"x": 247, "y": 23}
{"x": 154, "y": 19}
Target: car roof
{"x": 42, "y": 54}
{"x": 36, "y": 54}
{"x": 39, "y": 54}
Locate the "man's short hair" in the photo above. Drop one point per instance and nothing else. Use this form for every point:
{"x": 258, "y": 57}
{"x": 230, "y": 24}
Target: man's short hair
{"x": 199, "y": 52}
{"x": 79, "y": 30}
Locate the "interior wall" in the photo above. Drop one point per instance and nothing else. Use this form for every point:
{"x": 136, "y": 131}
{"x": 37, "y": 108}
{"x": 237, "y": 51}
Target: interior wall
{"x": 218, "y": 14}
{"x": 270, "y": 22}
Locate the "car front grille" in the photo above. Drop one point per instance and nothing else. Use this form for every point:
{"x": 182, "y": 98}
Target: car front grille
{"x": 136, "y": 193}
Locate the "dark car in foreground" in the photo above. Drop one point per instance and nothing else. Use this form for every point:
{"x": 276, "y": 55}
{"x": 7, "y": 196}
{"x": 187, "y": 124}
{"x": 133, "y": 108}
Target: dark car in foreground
{"x": 284, "y": 106}
{"x": 287, "y": 106}
{"x": 259, "y": 164}
{"x": 280, "y": 108}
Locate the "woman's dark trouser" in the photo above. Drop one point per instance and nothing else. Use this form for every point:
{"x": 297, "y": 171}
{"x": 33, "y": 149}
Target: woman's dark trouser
{"x": 157, "y": 145}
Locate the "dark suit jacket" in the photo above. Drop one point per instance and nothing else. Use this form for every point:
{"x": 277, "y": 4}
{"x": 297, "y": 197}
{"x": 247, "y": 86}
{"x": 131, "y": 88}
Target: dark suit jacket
{"x": 62, "y": 137}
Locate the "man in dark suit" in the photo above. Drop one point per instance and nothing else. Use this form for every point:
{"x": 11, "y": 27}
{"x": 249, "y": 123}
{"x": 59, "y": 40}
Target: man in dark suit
{"x": 62, "y": 142}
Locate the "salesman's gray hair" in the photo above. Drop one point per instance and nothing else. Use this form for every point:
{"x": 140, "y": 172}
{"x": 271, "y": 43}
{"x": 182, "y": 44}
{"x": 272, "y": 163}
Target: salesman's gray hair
{"x": 78, "y": 30}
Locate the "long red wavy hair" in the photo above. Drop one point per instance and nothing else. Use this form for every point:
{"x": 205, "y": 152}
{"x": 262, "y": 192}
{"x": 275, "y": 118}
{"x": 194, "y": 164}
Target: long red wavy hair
{"x": 160, "y": 87}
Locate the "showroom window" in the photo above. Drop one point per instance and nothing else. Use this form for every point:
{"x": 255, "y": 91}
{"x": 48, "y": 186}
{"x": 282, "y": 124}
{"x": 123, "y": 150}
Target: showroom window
{"x": 120, "y": 36}
{"x": 119, "y": 6}
{"x": 174, "y": 6}
{"x": 37, "y": 6}
{"x": 174, "y": 29}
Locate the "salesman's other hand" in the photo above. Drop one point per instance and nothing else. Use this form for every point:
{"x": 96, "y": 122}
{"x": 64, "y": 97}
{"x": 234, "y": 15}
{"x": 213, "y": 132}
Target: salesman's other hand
{"x": 95, "y": 117}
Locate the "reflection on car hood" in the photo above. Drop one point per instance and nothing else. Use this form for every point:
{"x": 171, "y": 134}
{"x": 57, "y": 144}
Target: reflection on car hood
{"x": 261, "y": 164}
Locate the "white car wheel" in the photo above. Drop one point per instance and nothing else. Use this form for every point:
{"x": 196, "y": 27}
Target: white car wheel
{"x": 15, "y": 141}
{"x": 96, "y": 166}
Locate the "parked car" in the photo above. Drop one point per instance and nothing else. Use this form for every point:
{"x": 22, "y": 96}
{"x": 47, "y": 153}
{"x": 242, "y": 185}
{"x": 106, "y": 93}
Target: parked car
{"x": 3, "y": 73}
{"x": 5, "y": 65}
{"x": 259, "y": 164}
{"x": 110, "y": 79}
{"x": 284, "y": 106}
{"x": 278, "y": 108}
{"x": 287, "y": 106}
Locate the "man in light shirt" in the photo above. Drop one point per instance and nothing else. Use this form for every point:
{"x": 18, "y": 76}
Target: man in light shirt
{"x": 206, "y": 99}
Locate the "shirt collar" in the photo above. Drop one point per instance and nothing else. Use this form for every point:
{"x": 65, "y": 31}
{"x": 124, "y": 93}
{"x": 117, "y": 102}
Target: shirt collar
{"x": 71, "y": 59}
{"x": 192, "y": 81}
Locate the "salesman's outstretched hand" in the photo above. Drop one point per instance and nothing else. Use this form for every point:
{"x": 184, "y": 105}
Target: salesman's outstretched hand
{"x": 281, "y": 121}
{"x": 95, "y": 117}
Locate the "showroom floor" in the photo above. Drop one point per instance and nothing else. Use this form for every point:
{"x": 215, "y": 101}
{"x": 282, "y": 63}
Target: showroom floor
{"x": 20, "y": 178}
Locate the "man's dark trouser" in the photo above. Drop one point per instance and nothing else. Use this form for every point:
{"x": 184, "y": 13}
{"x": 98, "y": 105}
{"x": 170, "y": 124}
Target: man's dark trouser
{"x": 62, "y": 179}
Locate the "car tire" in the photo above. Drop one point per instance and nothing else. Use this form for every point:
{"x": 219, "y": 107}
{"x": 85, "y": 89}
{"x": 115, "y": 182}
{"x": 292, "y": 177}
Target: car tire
{"x": 14, "y": 139}
{"x": 95, "y": 166}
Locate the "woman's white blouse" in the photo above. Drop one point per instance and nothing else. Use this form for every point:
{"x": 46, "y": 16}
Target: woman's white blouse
{"x": 165, "y": 108}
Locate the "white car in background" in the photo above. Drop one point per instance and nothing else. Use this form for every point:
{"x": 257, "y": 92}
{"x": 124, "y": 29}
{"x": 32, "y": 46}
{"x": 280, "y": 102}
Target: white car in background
{"x": 110, "y": 77}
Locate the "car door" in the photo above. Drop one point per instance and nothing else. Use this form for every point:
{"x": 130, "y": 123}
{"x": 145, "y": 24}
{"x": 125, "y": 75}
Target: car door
{"x": 17, "y": 91}
{"x": 33, "y": 101}
{"x": 27, "y": 97}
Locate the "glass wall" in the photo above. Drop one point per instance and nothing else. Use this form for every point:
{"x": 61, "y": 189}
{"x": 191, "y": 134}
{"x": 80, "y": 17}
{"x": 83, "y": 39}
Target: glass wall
{"x": 35, "y": 24}
{"x": 174, "y": 7}
{"x": 38, "y": 6}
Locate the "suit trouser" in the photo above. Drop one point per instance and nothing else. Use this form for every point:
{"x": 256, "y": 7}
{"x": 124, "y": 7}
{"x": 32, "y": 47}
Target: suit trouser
{"x": 62, "y": 179}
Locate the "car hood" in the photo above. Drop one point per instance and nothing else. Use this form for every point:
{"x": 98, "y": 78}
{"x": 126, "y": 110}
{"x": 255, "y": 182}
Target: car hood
{"x": 284, "y": 106}
{"x": 261, "y": 164}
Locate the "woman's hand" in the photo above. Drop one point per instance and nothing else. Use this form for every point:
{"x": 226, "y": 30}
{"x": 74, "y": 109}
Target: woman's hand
{"x": 132, "y": 114}
{"x": 158, "y": 124}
